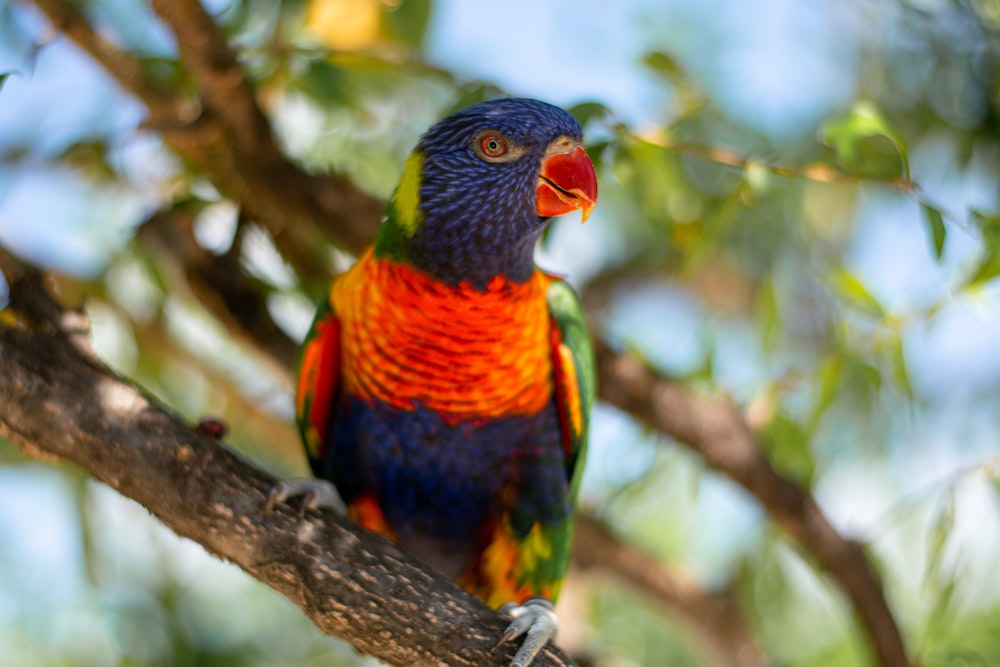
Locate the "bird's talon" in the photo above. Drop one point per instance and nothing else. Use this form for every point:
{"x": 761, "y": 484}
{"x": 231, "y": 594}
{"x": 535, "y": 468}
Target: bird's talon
{"x": 275, "y": 497}
{"x": 508, "y": 634}
{"x": 316, "y": 494}
{"x": 535, "y": 619}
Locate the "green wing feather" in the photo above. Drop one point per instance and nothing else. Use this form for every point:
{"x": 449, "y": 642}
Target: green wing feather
{"x": 318, "y": 386}
{"x": 576, "y": 387}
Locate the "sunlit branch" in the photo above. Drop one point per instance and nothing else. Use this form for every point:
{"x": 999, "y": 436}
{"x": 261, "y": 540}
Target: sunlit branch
{"x": 57, "y": 400}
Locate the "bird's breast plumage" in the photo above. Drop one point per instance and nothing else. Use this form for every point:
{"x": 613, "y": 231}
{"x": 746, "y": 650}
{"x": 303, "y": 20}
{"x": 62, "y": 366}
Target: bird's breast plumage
{"x": 410, "y": 341}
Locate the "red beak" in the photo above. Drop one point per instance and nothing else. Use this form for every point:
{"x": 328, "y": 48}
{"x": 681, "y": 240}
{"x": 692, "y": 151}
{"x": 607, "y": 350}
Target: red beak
{"x": 567, "y": 182}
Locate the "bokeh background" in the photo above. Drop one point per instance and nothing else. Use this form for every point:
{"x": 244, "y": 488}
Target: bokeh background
{"x": 800, "y": 209}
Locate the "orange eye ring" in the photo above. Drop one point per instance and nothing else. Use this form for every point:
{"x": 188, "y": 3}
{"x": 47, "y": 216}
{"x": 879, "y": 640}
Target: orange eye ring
{"x": 493, "y": 146}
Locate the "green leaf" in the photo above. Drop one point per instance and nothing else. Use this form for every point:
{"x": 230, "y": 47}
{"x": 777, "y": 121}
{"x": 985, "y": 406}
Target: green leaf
{"x": 989, "y": 232}
{"x": 864, "y": 120}
{"x": 767, "y": 314}
{"x": 665, "y": 66}
{"x": 862, "y": 377}
{"x": 937, "y": 538}
{"x": 900, "y": 371}
{"x": 828, "y": 381}
{"x": 324, "y": 82}
{"x": 850, "y": 288}
{"x": 164, "y": 71}
{"x": 587, "y": 111}
{"x": 407, "y": 21}
{"x": 941, "y": 609}
{"x": 4, "y": 76}
{"x": 936, "y": 228}
{"x": 786, "y": 444}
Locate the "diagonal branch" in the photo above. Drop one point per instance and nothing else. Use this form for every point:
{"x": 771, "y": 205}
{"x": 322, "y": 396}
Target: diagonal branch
{"x": 715, "y": 616}
{"x": 715, "y": 430}
{"x": 225, "y": 135}
{"x": 222, "y": 86}
{"x": 163, "y": 103}
{"x": 58, "y": 401}
{"x": 330, "y": 203}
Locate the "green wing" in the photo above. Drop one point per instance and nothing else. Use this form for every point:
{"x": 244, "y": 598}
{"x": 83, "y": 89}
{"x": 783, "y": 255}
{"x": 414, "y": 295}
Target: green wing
{"x": 575, "y": 376}
{"x": 318, "y": 386}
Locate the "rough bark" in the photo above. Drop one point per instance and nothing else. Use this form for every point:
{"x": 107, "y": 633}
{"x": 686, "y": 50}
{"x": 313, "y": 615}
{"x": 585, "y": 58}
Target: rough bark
{"x": 59, "y": 401}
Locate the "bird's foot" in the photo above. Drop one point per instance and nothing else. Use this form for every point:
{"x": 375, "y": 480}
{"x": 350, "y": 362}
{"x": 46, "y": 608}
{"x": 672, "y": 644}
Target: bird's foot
{"x": 536, "y": 619}
{"x": 316, "y": 493}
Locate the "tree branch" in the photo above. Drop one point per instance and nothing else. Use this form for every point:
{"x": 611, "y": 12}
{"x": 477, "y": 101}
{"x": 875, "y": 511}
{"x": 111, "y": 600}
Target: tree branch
{"x": 58, "y": 400}
{"x": 332, "y": 203}
{"x": 715, "y": 430}
{"x": 715, "y": 616}
{"x": 229, "y": 139}
{"x": 164, "y": 105}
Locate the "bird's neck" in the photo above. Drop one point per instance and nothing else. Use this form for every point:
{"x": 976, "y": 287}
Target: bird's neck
{"x": 456, "y": 238}
{"x": 475, "y": 253}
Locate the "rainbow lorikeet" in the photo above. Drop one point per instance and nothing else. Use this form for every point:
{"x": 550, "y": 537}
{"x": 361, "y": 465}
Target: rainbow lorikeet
{"x": 446, "y": 384}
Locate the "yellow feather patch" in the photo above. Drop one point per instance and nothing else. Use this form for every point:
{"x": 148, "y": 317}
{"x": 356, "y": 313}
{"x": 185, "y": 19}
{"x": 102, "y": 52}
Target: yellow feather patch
{"x": 568, "y": 367}
{"x": 406, "y": 201}
{"x": 506, "y": 560}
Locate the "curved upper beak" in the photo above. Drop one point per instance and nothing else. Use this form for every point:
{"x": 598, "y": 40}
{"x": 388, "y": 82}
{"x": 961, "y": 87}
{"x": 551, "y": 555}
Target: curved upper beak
{"x": 567, "y": 182}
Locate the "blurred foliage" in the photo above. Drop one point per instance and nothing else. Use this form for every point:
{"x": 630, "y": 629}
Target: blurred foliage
{"x": 777, "y": 268}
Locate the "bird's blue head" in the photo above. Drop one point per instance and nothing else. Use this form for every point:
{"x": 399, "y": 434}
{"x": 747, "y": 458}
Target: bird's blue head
{"x": 479, "y": 188}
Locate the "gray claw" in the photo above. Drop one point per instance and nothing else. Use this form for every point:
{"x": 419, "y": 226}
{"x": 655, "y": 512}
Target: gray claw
{"x": 537, "y": 621}
{"x": 316, "y": 493}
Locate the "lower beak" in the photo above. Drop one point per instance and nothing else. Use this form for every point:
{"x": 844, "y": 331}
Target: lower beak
{"x": 567, "y": 182}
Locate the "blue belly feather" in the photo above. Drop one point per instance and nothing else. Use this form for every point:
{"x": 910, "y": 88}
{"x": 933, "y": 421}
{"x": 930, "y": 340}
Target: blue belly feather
{"x": 441, "y": 485}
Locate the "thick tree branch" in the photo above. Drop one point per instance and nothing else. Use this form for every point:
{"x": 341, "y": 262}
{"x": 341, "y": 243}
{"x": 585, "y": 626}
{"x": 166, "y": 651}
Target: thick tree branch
{"x": 58, "y": 400}
{"x": 333, "y": 203}
{"x": 223, "y": 88}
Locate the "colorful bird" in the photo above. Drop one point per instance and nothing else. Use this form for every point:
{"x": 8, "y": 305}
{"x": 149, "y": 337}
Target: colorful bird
{"x": 446, "y": 384}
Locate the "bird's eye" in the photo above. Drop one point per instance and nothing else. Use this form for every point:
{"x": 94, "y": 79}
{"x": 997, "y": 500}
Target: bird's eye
{"x": 493, "y": 145}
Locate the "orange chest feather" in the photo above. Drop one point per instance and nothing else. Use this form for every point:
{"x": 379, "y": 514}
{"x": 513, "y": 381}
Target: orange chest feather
{"x": 410, "y": 341}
